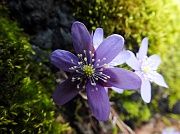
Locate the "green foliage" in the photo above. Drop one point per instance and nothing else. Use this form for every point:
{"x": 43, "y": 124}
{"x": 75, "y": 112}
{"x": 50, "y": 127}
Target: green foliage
{"x": 172, "y": 73}
{"x": 26, "y": 87}
{"x": 132, "y": 110}
{"x": 159, "y": 21}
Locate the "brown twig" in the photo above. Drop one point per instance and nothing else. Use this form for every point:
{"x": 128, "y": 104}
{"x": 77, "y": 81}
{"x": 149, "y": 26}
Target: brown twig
{"x": 123, "y": 127}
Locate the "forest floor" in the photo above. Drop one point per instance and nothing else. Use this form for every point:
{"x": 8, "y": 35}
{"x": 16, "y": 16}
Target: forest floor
{"x": 157, "y": 124}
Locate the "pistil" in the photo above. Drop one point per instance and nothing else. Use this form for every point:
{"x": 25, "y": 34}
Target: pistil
{"x": 88, "y": 70}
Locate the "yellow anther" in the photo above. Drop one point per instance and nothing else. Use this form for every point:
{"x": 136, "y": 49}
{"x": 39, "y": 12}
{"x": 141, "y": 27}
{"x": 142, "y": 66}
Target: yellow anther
{"x": 105, "y": 65}
{"x": 85, "y": 59}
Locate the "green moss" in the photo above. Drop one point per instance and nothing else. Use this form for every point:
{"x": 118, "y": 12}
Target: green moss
{"x": 26, "y": 87}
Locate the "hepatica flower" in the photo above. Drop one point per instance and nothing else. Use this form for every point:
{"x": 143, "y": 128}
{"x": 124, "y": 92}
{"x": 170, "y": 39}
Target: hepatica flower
{"x": 146, "y": 68}
{"x": 89, "y": 71}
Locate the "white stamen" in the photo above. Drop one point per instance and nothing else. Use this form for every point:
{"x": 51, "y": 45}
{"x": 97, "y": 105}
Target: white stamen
{"x": 85, "y": 59}
{"x": 72, "y": 61}
{"x": 77, "y": 71}
{"x": 101, "y": 69}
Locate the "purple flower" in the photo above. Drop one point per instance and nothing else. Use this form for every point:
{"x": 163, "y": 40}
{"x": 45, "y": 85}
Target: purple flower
{"x": 88, "y": 71}
{"x": 122, "y": 57}
{"x": 146, "y": 68}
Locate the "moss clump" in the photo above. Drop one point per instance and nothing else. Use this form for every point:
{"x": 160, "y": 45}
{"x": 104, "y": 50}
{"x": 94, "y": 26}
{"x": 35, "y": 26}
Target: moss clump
{"x": 26, "y": 87}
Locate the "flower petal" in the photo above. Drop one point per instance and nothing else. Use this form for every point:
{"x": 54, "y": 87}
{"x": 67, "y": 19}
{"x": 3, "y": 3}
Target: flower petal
{"x": 158, "y": 79}
{"x": 98, "y": 37}
{"x": 122, "y": 78}
{"x": 106, "y": 89}
{"x": 63, "y": 59}
{"x": 156, "y": 60}
{"x": 133, "y": 62}
{"x": 143, "y": 49}
{"x": 118, "y": 90}
{"x": 122, "y": 57}
{"x": 81, "y": 38}
{"x": 65, "y": 92}
{"x": 109, "y": 49}
{"x": 98, "y": 101}
{"x": 145, "y": 89}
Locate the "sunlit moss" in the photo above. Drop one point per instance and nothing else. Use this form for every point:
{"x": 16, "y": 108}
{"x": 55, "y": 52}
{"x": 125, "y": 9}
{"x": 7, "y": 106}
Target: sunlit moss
{"x": 25, "y": 88}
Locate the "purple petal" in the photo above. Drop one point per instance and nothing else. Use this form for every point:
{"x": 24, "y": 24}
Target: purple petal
{"x": 158, "y": 79}
{"x": 118, "y": 90}
{"x": 106, "y": 89}
{"x": 133, "y": 62}
{"x": 122, "y": 57}
{"x": 143, "y": 49}
{"x": 98, "y": 37}
{"x": 156, "y": 60}
{"x": 109, "y": 48}
{"x": 81, "y": 38}
{"x": 122, "y": 78}
{"x": 65, "y": 92}
{"x": 145, "y": 88}
{"x": 98, "y": 101}
{"x": 63, "y": 60}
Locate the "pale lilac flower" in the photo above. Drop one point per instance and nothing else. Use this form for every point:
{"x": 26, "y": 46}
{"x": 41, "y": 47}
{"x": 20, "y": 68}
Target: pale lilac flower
{"x": 98, "y": 37}
{"x": 170, "y": 131}
{"x": 146, "y": 68}
{"x": 88, "y": 71}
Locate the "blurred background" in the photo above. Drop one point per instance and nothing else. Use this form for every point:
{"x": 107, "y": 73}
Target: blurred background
{"x": 31, "y": 29}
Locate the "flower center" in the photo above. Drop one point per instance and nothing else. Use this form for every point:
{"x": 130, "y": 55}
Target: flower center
{"x": 88, "y": 70}
{"x": 147, "y": 68}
